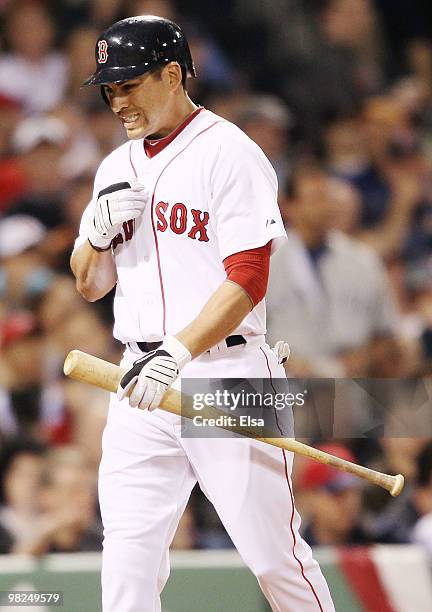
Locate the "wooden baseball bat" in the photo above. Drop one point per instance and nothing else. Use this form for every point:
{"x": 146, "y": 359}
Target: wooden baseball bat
{"x": 87, "y": 368}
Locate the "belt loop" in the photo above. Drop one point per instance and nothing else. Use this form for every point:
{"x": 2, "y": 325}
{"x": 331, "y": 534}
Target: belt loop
{"x": 224, "y": 345}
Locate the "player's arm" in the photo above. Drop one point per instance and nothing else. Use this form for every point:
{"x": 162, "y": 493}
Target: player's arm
{"x": 92, "y": 262}
{"x": 244, "y": 287}
{"x": 221, "y": 315}
{"x": 94, "y": 271}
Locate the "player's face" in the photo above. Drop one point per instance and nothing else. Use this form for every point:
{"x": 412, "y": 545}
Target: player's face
{"x": 142, "y": 104}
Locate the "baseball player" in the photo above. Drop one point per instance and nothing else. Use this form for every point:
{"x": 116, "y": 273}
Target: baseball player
{"x": 183, "y": 221}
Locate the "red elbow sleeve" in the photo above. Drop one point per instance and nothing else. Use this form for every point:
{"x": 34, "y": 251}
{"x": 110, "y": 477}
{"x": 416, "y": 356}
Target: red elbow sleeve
{"x": 250, "y": 270}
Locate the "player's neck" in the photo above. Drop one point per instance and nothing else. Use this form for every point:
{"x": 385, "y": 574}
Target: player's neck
{"x": 181, "y": 111}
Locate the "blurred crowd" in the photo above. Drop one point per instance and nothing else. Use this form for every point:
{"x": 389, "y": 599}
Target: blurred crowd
{"x": 338, "y": 94}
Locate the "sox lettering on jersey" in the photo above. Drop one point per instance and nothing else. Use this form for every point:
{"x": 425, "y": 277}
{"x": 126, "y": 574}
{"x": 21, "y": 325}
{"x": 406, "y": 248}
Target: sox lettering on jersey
{"x": 178, "y": 220}
{"x": 199, "y": 225}
{"x": 178, "y": 223}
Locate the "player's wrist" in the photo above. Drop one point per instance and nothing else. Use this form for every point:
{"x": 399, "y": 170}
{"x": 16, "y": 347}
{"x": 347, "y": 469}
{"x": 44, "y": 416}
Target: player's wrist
{"x": 98, "y": 241}
{"x": 177, "y": 349}
{"x": 98, "y": 248}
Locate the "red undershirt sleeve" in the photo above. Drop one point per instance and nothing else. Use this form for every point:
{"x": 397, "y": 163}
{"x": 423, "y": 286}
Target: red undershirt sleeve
{"x": 250, "y": 270}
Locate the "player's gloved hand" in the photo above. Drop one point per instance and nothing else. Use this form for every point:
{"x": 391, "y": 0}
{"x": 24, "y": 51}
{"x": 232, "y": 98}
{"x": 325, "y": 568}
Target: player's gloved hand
{"x": 115, "y": 204}
{"x": 151, "y": 375}
{"x": 282, "y": 351}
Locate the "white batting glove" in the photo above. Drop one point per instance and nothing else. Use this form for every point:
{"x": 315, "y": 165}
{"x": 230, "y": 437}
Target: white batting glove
{"x": 150, "y": 376}
{"x": 115, "y": 204}
{"x": 282, "y": 351}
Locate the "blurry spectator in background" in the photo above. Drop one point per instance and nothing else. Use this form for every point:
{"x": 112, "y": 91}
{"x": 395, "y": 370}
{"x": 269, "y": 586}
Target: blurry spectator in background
{"x": 350, "y": 29}
{"x": 26, "y": 406}
{"x": 422, "y": 500}
{"x": 27, "y": 161}
{"x": 391, "y": 520}
{"x": 346, "y": 206}
{"x": 81, "y": 153}
{"x": 39, "y": 144}
{"x": 333, "y": 63}
{"x": 23, "y": 270}
{"x": 266, "y": 119}
{"x": 21, "y": 464}
{"x": 12, "y": 183}
{"x": 80, "y": 53}
{"x": 67, "y": 519}
{"x": 380, "y": 156}
{"x": 414, "y": 89}
{"x": 348, "y": 157}
{"x": 214, "y": 70}
{"x": 84, "y": 329}
{"x": 32, "y": 72}
{"x": 414, "y": 282}
{"x": 162, "y": 8}
{"x": 78, "y": 194}
{"x": 328, "y": 294}
{"x": 331, "y": 502}
{"x": 103, "y": 127}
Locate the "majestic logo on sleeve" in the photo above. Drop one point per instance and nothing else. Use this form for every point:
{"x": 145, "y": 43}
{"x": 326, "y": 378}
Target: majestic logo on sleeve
{"x": 102, "y": 51}
{"x": 180, "y": 220}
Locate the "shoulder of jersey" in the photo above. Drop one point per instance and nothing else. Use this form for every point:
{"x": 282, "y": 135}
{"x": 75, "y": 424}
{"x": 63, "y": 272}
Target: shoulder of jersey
{"x": 229, "y": 133}
{"x": 119, "y": 155}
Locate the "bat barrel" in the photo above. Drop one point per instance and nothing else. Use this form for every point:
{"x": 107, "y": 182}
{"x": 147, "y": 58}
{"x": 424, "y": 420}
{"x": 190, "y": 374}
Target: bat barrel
{"x": 393, "y": 484}
{"x": 398, "y": 484}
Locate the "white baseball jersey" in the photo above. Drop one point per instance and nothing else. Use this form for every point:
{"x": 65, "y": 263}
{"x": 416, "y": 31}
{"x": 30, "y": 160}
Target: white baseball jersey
{"x": 213, "y": 193}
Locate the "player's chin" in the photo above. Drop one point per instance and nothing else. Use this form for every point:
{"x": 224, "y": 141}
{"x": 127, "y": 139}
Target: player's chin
{"x": 134, "y": 133}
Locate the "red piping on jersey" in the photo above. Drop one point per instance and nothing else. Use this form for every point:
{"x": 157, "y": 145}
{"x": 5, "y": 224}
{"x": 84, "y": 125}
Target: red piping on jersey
{"x": 292, "y": 498}
{"x": 136, "y": 176}
{"x": 131, "y": 162}
{"x": 152, "y": 219}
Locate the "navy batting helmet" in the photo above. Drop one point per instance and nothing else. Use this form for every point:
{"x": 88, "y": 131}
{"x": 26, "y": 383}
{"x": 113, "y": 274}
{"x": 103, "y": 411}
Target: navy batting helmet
{"x": 133, "y": 46}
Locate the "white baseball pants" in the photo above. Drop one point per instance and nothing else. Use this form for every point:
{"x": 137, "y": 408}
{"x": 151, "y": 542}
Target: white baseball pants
{"x": 148, "y": 471}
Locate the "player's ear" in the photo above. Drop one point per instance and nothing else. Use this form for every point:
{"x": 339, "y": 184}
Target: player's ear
{"x": 172, "y": 75}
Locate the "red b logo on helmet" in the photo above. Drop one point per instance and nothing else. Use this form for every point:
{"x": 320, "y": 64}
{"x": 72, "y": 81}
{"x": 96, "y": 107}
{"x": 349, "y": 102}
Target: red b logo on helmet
{"x": 102, "y": 51}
